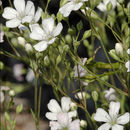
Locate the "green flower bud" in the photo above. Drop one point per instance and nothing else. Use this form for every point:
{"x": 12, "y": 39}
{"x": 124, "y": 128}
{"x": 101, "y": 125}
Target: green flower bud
{"x": 87, "y": 34}
{"x": 86, "y": 43}
{"x": 120, "y": 1}
{"x": 11, "y": 93}
{"x": 19, "y": 108}
{"x": 66, "y": 48}
{"x": 7, "y": 116}
{"x": 59, "y": 16}
{"x": 72, "y": 31}
{"x": 95, "y": 96}
{"x": 83, "y": 123}
{"x": 79, "y": 25}
{"x": 28, "y": 47}
{"x": 58, "y": 60}
{"x": 73, "y": 106}
{"x": 68, "y": 38}
{"x": 113, "y": 55}
{"x": 109, "y": 6}
{"x": 1, "y": 65}
{"x": 46, "y": 61}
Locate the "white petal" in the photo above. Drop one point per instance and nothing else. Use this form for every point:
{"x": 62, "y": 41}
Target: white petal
{"x": 102, "y": 7}
{"x": 105, "y": 126}
{"x": 52, "y": 41}
{"x": 66, "y": 9}
{"x": 22, "y": 27}
{"x": 124, "y": 119}
{"x": 30, "y": 9}
{"x": 37, "y": 32}
{"x": 9, "y": 13}
{"x": 65, "y": 103}
{"x": 127, "y": 65}
{"x": 63, "y": 119}
{"x": 101, "y": 115}
{"x": 72, "y": 114}
{"x": 48, "y": 25}
{"x": 57, "y": 30}
{"x": 75, "y": 125}
{"x": 55, "y": 125}
{"x": 114, "y": 108}
{"x": 41, "y": 46}
{"x": 117, "y": 127}
{"x": 53, "y": 106}
{"x": 128, "y": 51}
{"x": 51, "y": 116}
{"x": 19, "y": 5}
{"x": 13, "y": 23}
{"x": 38, "y": 14}
{"x": 1, "y": 97}
{"x": 27, "y": 19}
{"x": 77, "y": 6}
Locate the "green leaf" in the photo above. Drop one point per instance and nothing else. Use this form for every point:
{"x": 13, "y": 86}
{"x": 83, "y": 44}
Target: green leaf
{"x": 79, "y": 25}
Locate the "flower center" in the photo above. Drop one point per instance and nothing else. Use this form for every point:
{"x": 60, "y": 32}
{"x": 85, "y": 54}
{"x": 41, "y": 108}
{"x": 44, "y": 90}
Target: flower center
{"x": 65, "y": 128}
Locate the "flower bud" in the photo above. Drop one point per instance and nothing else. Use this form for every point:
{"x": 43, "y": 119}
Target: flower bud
{"x": 109, "y": 6}
{"x": 11, "y": 93}
{"x": 120, "y": 1}
{"x": 1, "y": 65}
{"x": 58, "y": 59}
{"x": 21, "y": 41}
{"x": 72, "y": 31}
{"x": 95, "y": 95}
{"x": 83, "y": 123}
{"x": 73, "y": 106}
{"x": 80, "y": 95}
{"x": 87, "y": 34}
{"x": 68, "y": 38}
{"x": 19, "y": 108}
{"x": 66, "y": 48}
{"x": 46, "y": 61}
{"x": 79, "y": 25}
{"x": 119, "y": 49}
{"x": 28, "y": 47}
{"x": 128, "y": 51}
{"x": 113, "y": 55}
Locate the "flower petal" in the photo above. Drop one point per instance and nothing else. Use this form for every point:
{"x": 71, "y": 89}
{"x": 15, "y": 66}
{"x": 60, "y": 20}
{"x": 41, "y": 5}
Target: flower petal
{"x": 75, "y": 125}
{"x": 48, "y": 25}
{"x": 117, "y": 127}
{"x": 105, "y": 126}
{"x": 53, "y": 106}
{"x": 27, "y": 19}
{"x": 127, "y": 65}
{"x": 63, "y": 119}
{"x": 30, "y": 9}
{"x": 101, "y": 115}
{"x": 19, "y": 5}
{"x": 114, "y": 108}
{"x": 41, "y": 46}
{"x": 55, "y": 125}
{"x": 66, "y": 9}
{"x": 51, "y": 116}
{"x": 9, "y": 13}
{"x": 37, "y": 32}
{"x": 13, "y": 23}
{"x": 38, "y": 14}
{"x": 77, "y": 6}
{"x": 65, "y": 103}
{"x": 57, "y": 30}
{"x": 72, "y": 114}
{"x": 102, "y": 7}
{"x": 124, "y": 119}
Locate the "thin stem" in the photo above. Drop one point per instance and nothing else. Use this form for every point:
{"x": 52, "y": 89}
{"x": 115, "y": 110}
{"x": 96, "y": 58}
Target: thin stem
{"x": 10, "y": 3}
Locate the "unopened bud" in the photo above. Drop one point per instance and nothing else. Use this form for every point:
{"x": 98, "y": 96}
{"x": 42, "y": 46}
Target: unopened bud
{"x": 95, "y": 96}
{"x": 58, "y": 59}
{"x": 28, "y": 47}
{"x": 120, "y": 1}
{"x": 87, "y": 34}
{"x": 113, "y": 55}
{"x": 11, "y": 93}
{"x": 21, "y": 41}
{"x": 83, "y": 123}
{"x": 73, "y": 106}
{"x": 128, "y": 51}
{"x": 1, "y": 65}
{"x": 80, "y": 95}
{"x": 68, "y": 38}
{"x": 119, "y": 49}
{"x": 109, "y": 6}
{"x": 46, "y": 61}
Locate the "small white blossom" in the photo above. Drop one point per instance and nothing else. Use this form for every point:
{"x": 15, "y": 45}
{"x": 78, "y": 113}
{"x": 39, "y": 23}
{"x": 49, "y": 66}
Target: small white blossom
{"x": 80, "y": 95}
{"x": 128, "y": 51}
{"x": 110, "y": 94}
{"x": 21, "y": 14}
{"x": 119, "y": 48}
{"x": 83, "y": 123}
{"x": 21, "y": 41}
{"x": 1, "y": 36}
{"x": 73, "y": 106}
{"x": 46, "y": 35}
{"x": 55, "y": 108}
{"x": 28, "y": 47}
{"x": 72, "y": 5}
{"x": 64, "y": 122}
{"x": 103, "y": 5}
{"x": 12, "y": 93}
{"x": 112, "y": 120}
{"x": 127, "y": 65}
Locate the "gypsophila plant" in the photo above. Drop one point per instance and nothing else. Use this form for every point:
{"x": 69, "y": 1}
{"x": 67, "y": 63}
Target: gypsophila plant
{"x": 49, "y": 45}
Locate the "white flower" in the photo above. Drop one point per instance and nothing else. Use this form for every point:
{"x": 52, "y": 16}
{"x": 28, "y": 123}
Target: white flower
{"x": 21, "y": 14}
{"x": 17, "y": 71}
{"x": 63, "y": 122}
{"x": 55, "y": 109}
{"x": 103, "y": 5}
{"x": 83, "y": 123}
{"x": 1, "y": 36}
{"x": 119, "y": 48}
{"x": 21, "y": 41}
{"x": 128, "y": 51}
{"x": 110, "y": 94}
{"x": 112, "y": 120}
{"x": 72, "y": 5}
{"x": 127, "y": 65}
{"x": 30, "y": 75}
{"x": 46, "y": 35}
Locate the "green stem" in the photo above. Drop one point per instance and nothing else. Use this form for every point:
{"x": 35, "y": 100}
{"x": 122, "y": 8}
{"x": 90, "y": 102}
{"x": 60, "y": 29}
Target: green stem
{"x": 10, "y": 3}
